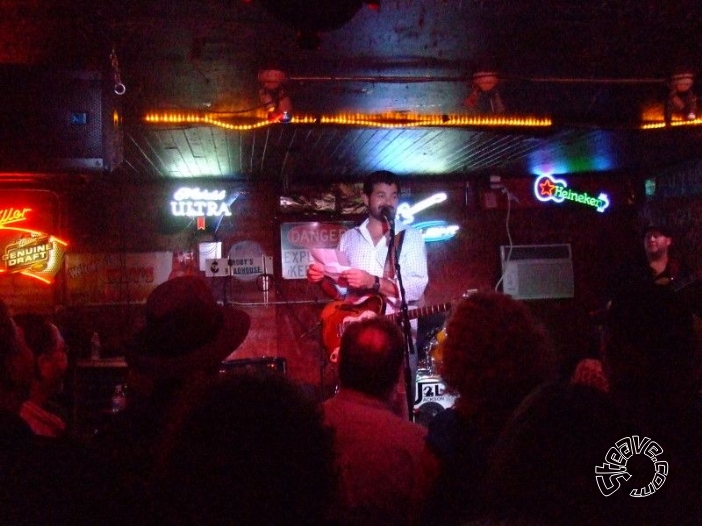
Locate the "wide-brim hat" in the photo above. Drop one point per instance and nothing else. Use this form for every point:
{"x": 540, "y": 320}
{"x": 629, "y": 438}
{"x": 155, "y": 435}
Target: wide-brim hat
{"x": 185, "y": 329}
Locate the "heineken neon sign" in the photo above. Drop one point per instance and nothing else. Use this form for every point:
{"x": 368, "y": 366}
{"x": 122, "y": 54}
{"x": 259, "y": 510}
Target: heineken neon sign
{"x": 548, "y": 188}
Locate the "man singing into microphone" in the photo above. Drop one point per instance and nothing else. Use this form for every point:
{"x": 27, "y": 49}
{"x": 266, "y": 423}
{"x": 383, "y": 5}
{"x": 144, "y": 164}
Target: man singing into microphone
{"x": 367, "y": 248}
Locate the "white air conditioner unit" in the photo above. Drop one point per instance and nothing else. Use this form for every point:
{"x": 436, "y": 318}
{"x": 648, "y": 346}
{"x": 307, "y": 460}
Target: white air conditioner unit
{"x": 531, "y": 272}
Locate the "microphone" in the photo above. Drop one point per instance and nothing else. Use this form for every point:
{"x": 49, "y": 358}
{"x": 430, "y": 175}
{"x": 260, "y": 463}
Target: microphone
{"x": 388, "y": 213}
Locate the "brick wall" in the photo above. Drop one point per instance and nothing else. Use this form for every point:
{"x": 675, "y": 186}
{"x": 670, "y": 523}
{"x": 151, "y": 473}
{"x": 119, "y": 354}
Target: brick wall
{"x": 110, "y": 217}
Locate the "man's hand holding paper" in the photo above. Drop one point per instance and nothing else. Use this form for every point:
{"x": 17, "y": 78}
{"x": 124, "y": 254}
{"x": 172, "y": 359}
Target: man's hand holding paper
{"x": 327, "y": 262}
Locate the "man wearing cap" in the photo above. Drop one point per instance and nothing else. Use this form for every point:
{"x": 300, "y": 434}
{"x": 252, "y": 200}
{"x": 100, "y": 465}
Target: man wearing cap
{"x": 657, "y": 241}
{"x": 660, "y": 267}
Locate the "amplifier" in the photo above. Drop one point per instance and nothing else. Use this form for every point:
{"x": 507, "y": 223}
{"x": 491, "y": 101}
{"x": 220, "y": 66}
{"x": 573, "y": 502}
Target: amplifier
{"x": 266, "y": 363}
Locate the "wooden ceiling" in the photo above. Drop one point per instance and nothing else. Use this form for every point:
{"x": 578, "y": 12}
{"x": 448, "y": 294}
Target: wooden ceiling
{"x": 597, "y": 69}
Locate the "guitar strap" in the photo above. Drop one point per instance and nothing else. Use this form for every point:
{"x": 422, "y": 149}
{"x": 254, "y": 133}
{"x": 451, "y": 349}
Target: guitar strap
{"x": 389, "y": 269}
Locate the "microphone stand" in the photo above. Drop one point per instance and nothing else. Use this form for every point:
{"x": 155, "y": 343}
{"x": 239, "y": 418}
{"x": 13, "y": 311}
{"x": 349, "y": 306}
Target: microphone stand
{"x": 406, "y": 327}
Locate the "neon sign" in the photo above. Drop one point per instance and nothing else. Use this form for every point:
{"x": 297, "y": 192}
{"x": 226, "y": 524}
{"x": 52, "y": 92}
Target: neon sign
{"x": 431, "y": 230}
{"x": 29, "y": 252}
{"x": 12, "y": 215}
{"x": 548, "y": 188}
{"x": 436, "y": 230}
{"x": 406, "y": 212}
{"x": 194, "y": 202}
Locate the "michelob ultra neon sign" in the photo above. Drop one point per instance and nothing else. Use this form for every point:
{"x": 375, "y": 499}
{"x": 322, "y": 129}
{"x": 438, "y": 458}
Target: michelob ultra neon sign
{"x": 32, "y": 253}
{"x": 548, "y": 188}
{"x": 194, "y": 202}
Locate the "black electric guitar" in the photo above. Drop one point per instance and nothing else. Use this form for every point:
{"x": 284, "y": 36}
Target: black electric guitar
{"x": 338, "y": 314}
{"x": 680, "y": 284}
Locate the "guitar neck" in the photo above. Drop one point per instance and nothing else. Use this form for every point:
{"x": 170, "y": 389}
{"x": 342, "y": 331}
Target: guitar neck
{"x": 420, "y": 312}
{"x": 677, "y": 285}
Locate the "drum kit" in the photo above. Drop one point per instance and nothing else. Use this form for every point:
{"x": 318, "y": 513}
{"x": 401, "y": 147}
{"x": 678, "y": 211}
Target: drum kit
{"x": 432, "y": 361}
{"x": 432, "y": 397}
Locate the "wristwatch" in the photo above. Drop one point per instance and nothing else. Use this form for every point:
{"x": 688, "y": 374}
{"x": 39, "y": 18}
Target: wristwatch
{"x": 376, "y": 284}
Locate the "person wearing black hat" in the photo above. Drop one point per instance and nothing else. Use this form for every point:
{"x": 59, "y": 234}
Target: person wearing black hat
{"x": 659, "y": 266}
{"x": 185, "y": 337}
{"x": 185, "y": 331}
{"x": 657, "y": 241}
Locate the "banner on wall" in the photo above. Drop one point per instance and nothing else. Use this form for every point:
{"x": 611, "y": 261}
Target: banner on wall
{"x": 296, "y": 240}
{"x": 115, "y": 278}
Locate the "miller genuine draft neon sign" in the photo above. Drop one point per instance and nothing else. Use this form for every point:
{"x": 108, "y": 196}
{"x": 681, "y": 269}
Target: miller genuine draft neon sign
{"x": 32, "y": 253}
{"x": 548, "y": 188}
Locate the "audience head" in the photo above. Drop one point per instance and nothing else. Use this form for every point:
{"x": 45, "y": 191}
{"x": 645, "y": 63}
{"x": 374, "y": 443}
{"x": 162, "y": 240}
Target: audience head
{"x": 657, "y": 241}
{"x": 253, "y": 450}
{"x": 370, "y": 356}
{"x": 542, "y": 469}
{"x": 185, "y": 331}
{"x": 49, "y": 349}
{"x": 16, "y": 362}
{"x": 380, "y": 177}
{"x": 494, "y": 354}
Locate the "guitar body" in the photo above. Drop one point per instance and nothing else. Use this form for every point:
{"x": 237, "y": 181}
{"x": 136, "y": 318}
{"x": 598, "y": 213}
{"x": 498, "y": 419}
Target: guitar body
{"x": 338, "y": 314}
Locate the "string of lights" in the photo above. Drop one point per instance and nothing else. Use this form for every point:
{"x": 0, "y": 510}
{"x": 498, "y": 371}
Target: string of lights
{"x": 381, "y": 120}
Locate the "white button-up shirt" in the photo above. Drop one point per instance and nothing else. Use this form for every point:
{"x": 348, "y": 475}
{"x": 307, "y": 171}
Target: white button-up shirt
{"x": 362, "y": 254}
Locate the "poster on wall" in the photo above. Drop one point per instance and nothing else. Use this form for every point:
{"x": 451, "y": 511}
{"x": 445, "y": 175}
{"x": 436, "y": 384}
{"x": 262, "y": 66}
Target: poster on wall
{"x": 115, "y": 278}
{"x": 296, "y": 240}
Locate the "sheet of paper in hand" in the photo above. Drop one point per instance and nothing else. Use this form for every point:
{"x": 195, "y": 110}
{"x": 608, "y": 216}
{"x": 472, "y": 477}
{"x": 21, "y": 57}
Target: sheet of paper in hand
{"x": 333, "y": 261}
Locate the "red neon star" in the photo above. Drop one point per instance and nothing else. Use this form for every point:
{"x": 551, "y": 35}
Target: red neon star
{"x": 547, "y": 188}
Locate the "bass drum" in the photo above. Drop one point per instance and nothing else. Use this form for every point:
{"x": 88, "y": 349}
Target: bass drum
{"x": 432, "y": 395}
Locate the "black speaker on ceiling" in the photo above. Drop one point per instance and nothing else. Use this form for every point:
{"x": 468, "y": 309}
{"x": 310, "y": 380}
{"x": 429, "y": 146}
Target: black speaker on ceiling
{"x": 53, "y": 120}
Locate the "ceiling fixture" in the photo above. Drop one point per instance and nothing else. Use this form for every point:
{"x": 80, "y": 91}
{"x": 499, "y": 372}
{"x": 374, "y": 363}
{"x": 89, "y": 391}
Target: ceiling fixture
{"x": 681, "y": 101}
{"x": 273, "y": 95}
{"x": 484, "y": 97}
